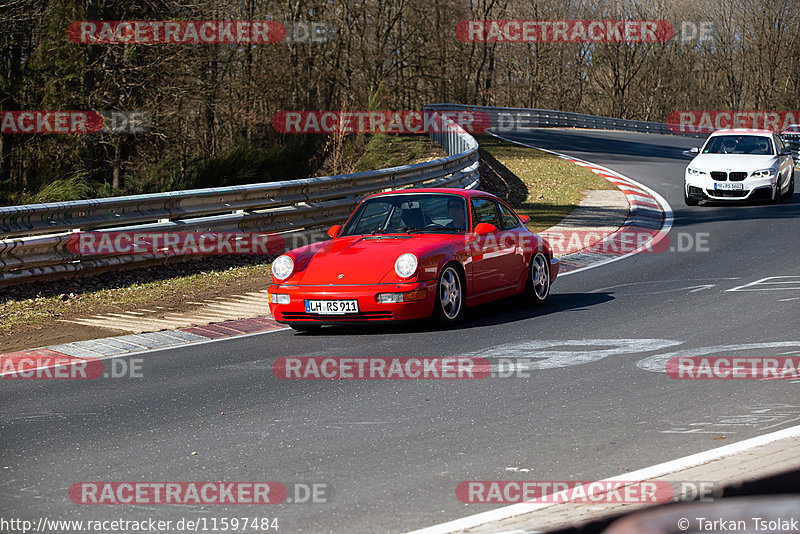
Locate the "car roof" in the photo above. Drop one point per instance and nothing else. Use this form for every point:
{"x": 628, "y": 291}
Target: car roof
{"x": 467, "y": 193}
{"x": 742, "y": 131}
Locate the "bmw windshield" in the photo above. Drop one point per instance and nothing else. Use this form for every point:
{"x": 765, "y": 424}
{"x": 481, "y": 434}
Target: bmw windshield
{"x": 739, "y": 144}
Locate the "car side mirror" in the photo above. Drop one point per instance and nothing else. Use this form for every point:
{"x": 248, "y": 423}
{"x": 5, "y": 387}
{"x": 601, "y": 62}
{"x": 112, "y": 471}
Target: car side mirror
{"x": 785, "y": 152}
{"x": 695, "y": 150}
{"x": 334, "y": 230}
{"x": 484, "y": 228}
{"x": 524, "y": 219}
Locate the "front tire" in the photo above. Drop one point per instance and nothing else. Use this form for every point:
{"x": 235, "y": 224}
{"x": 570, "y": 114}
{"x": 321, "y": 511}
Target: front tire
{"x": 449, "y": 305}
{"x": 776, "y": 195}
{"x": 689, "y": 201}
{"x": 790, "y": 191}
{"x": 537, "y": 288}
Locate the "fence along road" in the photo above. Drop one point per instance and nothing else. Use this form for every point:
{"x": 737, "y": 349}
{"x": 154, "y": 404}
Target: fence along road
{"x": 33, "y": 238}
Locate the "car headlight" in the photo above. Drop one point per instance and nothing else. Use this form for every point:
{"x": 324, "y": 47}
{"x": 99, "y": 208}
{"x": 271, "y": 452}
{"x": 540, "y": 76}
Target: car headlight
{"x": 763, "y": 173}
{"x": 406, "y": 265}
{"x": 282, "y": 267}
{"x": 696, "y": 172}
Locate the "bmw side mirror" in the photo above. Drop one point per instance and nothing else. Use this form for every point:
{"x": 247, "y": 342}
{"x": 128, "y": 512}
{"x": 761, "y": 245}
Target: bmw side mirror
{"x": 334, "y": 230}
{"x": 785, "y": 152}
{"x": 695, "y": 150}
{"x": 524, "y": 219}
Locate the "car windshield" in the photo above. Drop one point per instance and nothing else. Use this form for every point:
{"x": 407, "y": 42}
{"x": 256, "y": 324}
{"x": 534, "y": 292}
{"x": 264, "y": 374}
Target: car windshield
{"x": 409, "y": 213}
{"x": 739, "y": 144}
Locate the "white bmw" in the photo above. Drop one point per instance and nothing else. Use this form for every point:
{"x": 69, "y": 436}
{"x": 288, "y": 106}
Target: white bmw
{"x": 739, "y": 164}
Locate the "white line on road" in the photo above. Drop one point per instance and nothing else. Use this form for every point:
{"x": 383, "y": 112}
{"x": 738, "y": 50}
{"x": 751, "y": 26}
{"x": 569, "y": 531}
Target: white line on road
{"x": 776, "y": 280}
{"x": 648, "y": 473}
{"x": 668, "y": 215}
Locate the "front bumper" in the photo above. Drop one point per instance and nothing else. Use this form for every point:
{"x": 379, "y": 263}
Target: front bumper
{"x": 702, "y": 188}
{"x": 369, "y": 310}
{"x": 555, "y": 268}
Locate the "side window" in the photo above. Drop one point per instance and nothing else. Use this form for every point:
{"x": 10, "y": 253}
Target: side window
{"x": 507, "y": 216}
{"x": 778, "y": 143}
{"x": 484, "y": 211}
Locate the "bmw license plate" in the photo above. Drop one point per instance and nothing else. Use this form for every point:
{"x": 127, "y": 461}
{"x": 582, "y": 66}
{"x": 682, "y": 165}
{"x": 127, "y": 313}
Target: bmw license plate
{"x": 728, "y": 186}
{"x": 331, "y": 307}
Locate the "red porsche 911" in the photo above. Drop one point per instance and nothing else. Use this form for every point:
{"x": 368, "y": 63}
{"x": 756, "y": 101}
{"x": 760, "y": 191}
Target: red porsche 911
{"x": 412, "y": 254}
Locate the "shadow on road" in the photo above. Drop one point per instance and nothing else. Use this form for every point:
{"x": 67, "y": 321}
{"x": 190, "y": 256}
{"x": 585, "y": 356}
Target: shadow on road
{"x": 709, "y": 212}
{"x": 493, "y": 314}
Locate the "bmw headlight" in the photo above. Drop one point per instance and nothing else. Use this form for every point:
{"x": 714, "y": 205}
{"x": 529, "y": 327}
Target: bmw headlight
{"x": 282, "y": 267}
{"x": 406, "y": 265}
{"x": 763, "y": 173}
{"x": 696, "y": 172}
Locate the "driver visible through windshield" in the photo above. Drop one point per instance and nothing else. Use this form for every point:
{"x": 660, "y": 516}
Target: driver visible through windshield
{"x": 739, "y": 144}
{"x": 409, "y": 213}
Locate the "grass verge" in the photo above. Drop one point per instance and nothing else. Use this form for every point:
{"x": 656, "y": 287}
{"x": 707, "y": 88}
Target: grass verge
{"x": 535, "y": 183}
{"x": 31, "y": 315}
{"x": 385, "y": 150}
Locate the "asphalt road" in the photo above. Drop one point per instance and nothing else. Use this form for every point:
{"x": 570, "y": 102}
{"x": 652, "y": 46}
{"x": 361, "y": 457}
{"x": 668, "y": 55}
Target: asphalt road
{"x": 393, "y": 452}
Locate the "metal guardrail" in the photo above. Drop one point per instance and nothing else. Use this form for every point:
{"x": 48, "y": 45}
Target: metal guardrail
{"x": 33, "y": 238}
{"x": 521, "y": 118}
{"x": 296, "y": 209}
{"x": 512, "y": 118}
{"x": 506, "y": 119}
{"x": 792, "y": 141}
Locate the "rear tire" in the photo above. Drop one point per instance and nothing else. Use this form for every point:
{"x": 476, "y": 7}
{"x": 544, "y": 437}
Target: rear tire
{"x": 537, "y": 289}
{"x": 449, "y": 302}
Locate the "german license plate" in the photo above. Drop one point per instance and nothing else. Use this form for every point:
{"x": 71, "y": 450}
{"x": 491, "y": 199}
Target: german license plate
{"x": 728, "y": 186}
{"x": 331, "y": 307}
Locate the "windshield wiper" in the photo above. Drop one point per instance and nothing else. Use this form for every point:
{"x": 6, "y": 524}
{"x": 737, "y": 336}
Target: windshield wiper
{"x": 438, "y": 229}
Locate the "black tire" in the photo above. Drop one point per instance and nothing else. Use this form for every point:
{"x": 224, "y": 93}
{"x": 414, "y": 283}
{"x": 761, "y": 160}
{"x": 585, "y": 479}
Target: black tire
{"x": 537, "y": 288}
{"x": 790, "y": 192}
{"x": 689, "y": 201}
{"x": 776, "y": 195}
{"x": 305, "y": 327}
{"x": 449, "y": 302}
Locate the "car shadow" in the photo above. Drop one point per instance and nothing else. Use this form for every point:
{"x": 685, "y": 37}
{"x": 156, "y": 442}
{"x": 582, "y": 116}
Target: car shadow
{"x": 721, "y": 211}
{"x": 495, "y": 313}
